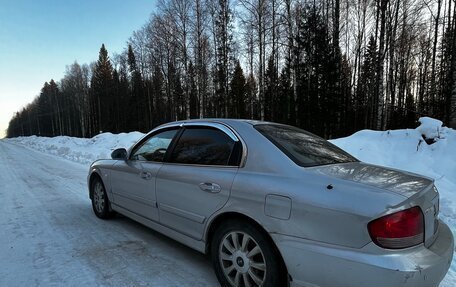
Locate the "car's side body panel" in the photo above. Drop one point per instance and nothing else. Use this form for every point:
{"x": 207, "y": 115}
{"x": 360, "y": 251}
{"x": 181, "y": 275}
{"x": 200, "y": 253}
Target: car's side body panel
{"x": 185, "y": 197}
{"x": 134, "y": 187}
{"x": 323, "y": 215}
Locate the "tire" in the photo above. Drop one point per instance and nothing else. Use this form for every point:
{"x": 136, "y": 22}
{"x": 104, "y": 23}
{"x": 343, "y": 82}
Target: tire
{"x": 252, "y": 261}
{"x": 100, "y": 201}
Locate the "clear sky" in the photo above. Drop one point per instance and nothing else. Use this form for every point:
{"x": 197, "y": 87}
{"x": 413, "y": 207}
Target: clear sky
{"x": 39, "y": 38}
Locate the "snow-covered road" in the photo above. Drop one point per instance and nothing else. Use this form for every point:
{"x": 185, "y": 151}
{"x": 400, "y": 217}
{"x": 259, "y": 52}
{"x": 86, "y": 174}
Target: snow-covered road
{"x": 50, "y": 236}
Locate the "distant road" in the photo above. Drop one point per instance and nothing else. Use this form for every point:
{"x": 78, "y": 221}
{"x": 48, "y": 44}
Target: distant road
{"x": 50, "y": 236}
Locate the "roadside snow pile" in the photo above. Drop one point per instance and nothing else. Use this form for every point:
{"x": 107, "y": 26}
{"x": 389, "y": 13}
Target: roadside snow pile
{"x": 430, "y": 128}
{"x": 80, "y": 150}
{"x": 409, "y": 150}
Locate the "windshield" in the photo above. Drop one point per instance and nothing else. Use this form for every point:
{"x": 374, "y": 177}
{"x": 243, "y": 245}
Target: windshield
{"x": 304, "y": 148}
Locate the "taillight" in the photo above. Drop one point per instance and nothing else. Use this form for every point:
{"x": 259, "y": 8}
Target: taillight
{"x": 398, "y": 230}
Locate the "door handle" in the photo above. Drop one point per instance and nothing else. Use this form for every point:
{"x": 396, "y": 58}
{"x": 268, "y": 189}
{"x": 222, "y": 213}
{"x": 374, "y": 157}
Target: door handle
{"x": 145, "y": 175}
{"x": 210, "y": 187}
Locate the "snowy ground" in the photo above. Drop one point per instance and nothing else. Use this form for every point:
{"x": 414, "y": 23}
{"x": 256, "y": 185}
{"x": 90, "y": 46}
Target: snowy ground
{"x": 47, "y": 215}
{"x": 50, "y": 236}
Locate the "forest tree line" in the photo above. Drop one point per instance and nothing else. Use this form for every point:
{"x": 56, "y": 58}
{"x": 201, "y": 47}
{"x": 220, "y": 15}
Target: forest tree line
{"x": 329, "y": 66}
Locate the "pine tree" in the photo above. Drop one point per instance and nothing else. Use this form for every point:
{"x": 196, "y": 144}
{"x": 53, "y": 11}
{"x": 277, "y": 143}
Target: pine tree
{"x": 346, "y": 108}
{"x": 270, "y": 93}
{"x": 224, "y": 27}
{"x": 46, "y": 113}
{"x": 176, "y": 104}
{"x": 101, "y": 98}
{"x": 57, "y": 104}
{"x": 161, "y": 115}
{"x": 251, "y": 91}
{"x": 365, "y": 109}
{"x": 193, "y": 92}
{"x": 118, "y": 104}
{"x": 319, "y": 98}
{"x": 410, "y": 115}
{"x": 140, "y": 105}
{"x": 285, "y": 98}
{"x": 237, "y": 93}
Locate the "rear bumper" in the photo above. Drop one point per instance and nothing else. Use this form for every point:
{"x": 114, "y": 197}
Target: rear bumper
{"x": 311, "y": 265}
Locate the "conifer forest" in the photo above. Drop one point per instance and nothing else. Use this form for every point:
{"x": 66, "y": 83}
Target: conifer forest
{"x": 331, "y": 67}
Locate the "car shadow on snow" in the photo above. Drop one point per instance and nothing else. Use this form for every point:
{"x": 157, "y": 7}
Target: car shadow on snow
{"x": 135, "y": 254}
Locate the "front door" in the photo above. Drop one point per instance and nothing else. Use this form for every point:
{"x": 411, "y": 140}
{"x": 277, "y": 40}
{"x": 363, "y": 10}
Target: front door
{"x": 196, "y": 180}
{"x": 133, "y": 180}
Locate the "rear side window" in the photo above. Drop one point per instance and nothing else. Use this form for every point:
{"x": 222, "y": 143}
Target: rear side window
{"x": 203, "y": 146}
{"x": 304, "y": 148}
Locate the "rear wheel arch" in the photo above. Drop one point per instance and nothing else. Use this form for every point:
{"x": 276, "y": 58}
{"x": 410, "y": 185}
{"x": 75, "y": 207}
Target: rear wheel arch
{"x": 239, "y": 217}
{"x": 228, "y": 216}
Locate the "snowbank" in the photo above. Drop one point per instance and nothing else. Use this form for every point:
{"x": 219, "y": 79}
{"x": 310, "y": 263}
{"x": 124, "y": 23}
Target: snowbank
{"x": 80, "y": 150}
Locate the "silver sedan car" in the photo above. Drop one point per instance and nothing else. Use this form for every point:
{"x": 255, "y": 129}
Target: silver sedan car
{"x": 275, "y": 205}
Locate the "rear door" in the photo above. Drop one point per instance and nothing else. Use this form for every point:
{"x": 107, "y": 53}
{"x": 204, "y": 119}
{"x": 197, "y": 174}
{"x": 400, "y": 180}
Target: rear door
{"x": 133, "y": 180}
{"x": 196, "y": 179}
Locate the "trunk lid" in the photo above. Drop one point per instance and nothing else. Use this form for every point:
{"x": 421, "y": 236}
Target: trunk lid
{"x": 417, "y": 190}
{"x": 397, "y": 181}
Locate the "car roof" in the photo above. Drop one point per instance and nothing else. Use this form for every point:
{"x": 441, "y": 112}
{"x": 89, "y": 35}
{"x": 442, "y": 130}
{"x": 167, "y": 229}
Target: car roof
{"x": 227, "y": 121}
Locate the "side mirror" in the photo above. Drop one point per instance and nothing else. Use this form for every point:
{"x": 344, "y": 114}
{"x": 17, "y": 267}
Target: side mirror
{"x": 119, "y": 153}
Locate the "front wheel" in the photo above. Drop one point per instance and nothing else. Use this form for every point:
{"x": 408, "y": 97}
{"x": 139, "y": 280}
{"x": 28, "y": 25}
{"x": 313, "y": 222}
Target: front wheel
{"x": 100, "y": 201}
{"x": 244, "y": 257}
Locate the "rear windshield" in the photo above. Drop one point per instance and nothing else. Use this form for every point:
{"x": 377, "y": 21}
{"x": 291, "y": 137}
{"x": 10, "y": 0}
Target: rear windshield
{"x": 304, "y": 148}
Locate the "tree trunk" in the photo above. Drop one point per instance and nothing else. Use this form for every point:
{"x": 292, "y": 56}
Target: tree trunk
{"x": 380, "y": 63}
{"x": 434, "y": 52}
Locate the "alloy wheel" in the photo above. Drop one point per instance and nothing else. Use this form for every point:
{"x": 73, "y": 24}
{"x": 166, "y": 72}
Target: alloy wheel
{"x": 242, "y": 260}
{"x": 98, "y": 197}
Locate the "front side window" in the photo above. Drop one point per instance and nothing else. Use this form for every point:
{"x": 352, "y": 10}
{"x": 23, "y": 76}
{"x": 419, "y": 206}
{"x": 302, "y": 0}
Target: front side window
{"x": 304, "y": 148}
{"x": 203, "y": 146}
{"x": 154, "y": 148}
